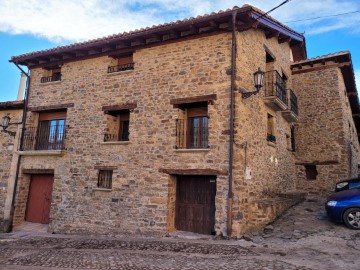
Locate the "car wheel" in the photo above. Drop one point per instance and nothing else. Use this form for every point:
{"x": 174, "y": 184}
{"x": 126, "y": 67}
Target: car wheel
{"x": 352, "y": 218}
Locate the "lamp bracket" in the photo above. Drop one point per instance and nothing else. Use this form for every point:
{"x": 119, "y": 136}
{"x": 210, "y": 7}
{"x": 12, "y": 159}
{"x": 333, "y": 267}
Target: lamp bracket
{"x": 11, "y": 133}
{"x": 246, "y": 95}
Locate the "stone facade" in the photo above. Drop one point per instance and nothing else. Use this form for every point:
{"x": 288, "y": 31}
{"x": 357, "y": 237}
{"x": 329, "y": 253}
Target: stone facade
{"x": 8, "y": 145}
{"x": 326, "y": 131}
{"x": 156, "y": 93}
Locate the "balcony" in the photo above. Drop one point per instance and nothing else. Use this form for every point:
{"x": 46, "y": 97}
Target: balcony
{"x": 192, "y": 133}
{"x": 123, "y": 67}
{"x": 275, "y": 91}
{"x": 51, "y": 137}
{"x": 291, "y": 115}
{"x": 53, "y": 78}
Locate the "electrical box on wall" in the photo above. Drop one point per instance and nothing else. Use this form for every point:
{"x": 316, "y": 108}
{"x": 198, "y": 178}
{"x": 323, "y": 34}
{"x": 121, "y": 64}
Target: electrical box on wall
{"x": 248, "y": 173}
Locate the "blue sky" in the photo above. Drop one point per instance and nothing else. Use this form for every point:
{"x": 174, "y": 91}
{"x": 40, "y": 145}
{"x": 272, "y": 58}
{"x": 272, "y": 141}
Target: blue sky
{"x": 27, "y": 26}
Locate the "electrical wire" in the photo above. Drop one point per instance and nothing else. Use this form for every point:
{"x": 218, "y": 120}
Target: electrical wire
{"x": 271, "y": 10}
{"x": 327, "y": 16}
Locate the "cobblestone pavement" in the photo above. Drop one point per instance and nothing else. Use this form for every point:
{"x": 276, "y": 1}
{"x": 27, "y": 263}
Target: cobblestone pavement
{"x": 302, "y": 238}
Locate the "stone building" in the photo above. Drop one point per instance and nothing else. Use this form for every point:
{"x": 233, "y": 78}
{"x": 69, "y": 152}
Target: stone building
{"x": 162, "y": 129}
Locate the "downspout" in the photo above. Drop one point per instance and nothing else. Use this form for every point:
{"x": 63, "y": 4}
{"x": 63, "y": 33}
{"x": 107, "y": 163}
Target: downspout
{"x": 231, "y": 123}
{"x": 26, "y": 100}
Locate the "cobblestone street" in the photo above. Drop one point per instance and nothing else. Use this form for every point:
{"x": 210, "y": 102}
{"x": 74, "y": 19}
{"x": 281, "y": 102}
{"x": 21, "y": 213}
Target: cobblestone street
{"x": 303, "y": 238}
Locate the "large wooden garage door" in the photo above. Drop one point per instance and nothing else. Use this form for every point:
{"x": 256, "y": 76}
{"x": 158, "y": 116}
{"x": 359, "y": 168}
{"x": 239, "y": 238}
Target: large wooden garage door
{"x": 39, "y": 200}
{"x": 195, "y": 204}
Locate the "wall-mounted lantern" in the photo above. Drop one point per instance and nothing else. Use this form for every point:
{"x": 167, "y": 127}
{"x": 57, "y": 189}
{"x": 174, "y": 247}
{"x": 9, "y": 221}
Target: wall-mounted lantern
{"x": 5, "y": 123}
{"x": 258, "y": 83}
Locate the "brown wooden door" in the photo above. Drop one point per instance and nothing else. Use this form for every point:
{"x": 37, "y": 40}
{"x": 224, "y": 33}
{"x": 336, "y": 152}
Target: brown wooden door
{"x": 39, "y": 200}
{"x": 195, "y": 204}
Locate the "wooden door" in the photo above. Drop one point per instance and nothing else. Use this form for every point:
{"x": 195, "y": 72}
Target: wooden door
{"x": 195, "y": 204}
{"x": 39, "y": 199}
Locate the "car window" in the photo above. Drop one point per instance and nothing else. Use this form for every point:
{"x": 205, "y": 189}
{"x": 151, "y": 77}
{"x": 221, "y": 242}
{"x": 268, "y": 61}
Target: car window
{"x": 354, "y": 184}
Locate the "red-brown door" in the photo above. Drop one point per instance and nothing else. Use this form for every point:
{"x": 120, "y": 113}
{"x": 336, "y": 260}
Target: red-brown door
{"x": 195, "y": 204}
{"x": 39, "y": 200}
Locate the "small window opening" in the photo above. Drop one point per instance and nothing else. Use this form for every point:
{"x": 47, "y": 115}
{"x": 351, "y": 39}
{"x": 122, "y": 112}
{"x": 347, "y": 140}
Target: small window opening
{"x": 311, "y": 172}
{"x": 105, "y": 179}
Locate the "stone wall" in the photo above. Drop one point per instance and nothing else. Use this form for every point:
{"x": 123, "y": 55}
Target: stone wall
{"x": 138, "y": 200}
{"x": 142, "y": 198}
{"x": 326, "y": 135}
{"x": 271, "y": 164}
{"x": 6, "y": 148}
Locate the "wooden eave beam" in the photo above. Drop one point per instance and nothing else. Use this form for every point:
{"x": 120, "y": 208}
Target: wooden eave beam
{"x": 138, "y": 42}
{"x": 214, "y": 25}
{"x": 68, "y": 55}
{"x": 81, "y": 53}
{"x": 271, "y": 34}
{"x": 247, "y": 26}
{"x": 175, "y": 33}
{"x": 55, "y": 58}
{"x": 43, "y": 60}
{"x": 284, "y": 40}
{"x": 194, "y": 29}
{"x": 123, "y": 44}
{"x": 109, "y": 47}
{"x": 95, "y": 50}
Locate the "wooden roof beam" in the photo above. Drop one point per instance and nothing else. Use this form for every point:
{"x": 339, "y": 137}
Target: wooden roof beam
{"x": 194, "y": 30}
{"x": 138, "y": 41}
{"x": 68, "y": 55}
{"x": 284, "y": 40}
{"x": 175, "y": 34}
{"x": 271, "y": 34}
{"x": 214, "y": 25}
{"x": 81, "y": 53}
{"x": 123, "y": 44}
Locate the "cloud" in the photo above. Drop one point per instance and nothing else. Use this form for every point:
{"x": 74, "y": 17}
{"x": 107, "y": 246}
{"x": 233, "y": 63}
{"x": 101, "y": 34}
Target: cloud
{"x": 77, "y": 20}
{"x": 357, "y": 79}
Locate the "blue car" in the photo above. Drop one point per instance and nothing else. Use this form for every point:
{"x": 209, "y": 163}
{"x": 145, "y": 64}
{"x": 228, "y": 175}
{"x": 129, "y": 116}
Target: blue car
{"x": 344, "y": 206}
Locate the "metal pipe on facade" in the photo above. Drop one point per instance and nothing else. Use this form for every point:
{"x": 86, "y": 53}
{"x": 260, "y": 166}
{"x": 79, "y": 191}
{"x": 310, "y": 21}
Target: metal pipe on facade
{"x": 26, "y": 100}
{"x": 231, "y": 123}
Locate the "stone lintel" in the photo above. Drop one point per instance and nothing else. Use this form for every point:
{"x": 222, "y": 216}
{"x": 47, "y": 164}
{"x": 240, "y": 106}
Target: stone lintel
{"x": 38, "y": 171}
{"x": 317, "y": 162}
{"x": 119, "y": 107}
{"x": 187, "y": 100}
{"x": 50, "y": 108}
{"x": 192, "y": 171}
{"x": 105, "y": 167}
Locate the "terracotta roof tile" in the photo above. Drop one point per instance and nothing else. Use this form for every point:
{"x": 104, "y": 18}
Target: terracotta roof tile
{"x": 140, "y": 31}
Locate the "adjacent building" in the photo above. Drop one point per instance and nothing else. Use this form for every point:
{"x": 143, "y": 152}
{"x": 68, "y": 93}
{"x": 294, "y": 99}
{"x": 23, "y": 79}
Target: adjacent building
{"x": 162, "y": 128}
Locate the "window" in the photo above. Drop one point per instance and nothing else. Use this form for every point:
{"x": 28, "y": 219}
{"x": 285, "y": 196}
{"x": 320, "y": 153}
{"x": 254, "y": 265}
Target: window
{"x": 292, "y": 138}
{"x": 311, "y": 172}
{"x": 51, "y": 75}
{"x": 118, "y": 123}
{"x": 51, "y": 131}
{"x": 122, "y": 63}
{"x": 105, "y": 179}
{"x": 193, "y": 129}
{"x": 270, "y": 128}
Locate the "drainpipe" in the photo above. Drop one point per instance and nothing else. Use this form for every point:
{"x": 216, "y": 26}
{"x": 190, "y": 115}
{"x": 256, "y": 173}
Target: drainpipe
{"x": 231, "y": 123}
{"x": 8, "y": 226}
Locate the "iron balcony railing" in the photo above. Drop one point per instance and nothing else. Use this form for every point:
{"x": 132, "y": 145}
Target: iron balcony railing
{"x": 116, "y": 137}
{"x": 129, "y": 66}
{"x": 293, "y": 102}
{"x": 44, "y": 138}
{"x": 53, "y": 78}
{"x": 192, "y": 133}
{"x": 275, "y": 86}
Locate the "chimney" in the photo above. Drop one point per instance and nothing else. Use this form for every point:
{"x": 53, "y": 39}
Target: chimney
{"x": 21, "y": 87}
